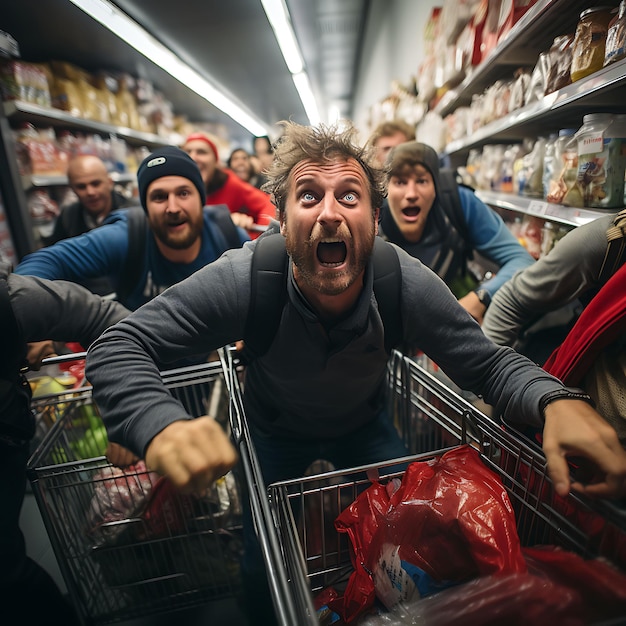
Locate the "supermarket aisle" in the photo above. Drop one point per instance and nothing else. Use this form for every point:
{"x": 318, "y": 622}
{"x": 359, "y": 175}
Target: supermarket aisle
{"x": 39, "y": 548}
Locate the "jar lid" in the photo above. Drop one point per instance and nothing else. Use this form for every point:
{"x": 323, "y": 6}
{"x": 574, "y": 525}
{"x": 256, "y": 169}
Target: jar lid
{"x": 595, "y": 10}
{"x": 565, "y": 132}
{"x": 594, "y": 117}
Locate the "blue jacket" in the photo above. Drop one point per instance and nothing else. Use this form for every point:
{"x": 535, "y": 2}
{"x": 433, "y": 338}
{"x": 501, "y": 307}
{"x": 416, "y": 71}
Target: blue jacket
{"x": 488, "y": 235}
{"x": 102, "y": 252}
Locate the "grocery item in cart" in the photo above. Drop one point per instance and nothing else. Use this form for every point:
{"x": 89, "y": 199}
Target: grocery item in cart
{"x": 442, "y": 544}
{"x": 119, "y": 494}
{"x": 559, "y": 588}
{"x": 450, "y": 520}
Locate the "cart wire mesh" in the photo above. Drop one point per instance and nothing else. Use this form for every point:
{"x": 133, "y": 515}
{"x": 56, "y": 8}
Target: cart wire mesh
{"x": 129, "y": 545}
{"x": 432, "y": 419}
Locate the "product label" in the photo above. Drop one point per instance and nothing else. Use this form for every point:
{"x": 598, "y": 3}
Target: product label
{"x": 591, "y": 143}
{"x": 601, "y": 169}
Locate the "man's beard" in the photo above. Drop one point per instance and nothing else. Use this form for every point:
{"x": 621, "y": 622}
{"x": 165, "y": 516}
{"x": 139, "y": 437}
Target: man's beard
{"x": 177, "y": 241}
{"x": 329, "y": 282}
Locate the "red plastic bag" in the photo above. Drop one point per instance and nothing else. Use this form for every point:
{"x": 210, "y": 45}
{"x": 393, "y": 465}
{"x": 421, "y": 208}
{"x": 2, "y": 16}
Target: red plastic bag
{"x": 450, "y": 520}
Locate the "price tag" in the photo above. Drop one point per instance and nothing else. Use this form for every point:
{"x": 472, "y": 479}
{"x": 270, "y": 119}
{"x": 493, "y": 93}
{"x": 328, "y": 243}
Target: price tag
{"x": 537, "y": 207}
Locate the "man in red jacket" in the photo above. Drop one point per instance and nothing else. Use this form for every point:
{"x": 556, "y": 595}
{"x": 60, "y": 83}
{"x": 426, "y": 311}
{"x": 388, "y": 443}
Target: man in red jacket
{"x": 250, "y": 206}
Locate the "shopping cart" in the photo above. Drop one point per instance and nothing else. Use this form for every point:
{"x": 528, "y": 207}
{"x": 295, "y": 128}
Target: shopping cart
{"x": 128, "y": 545}
{"x": 432, "y": 419}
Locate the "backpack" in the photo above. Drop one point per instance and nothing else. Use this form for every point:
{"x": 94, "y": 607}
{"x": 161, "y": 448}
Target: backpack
{"x": 137, "y": 229}
{"x": 268, "y": 294}
{"x": 450, "y": 202}
{"x": 616, "y": 240}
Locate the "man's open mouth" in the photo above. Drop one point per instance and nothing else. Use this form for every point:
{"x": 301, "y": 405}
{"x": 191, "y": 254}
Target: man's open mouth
{"x": 411, "y": 211}
{"x": 331, "y": 252}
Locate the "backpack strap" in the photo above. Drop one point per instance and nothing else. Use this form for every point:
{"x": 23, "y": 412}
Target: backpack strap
{"x": 133, "y": 265}
{"x": 268, "y": 294}
{"x": 220, "y": 215}
{"x": 388, "y": 291}
{"x": 614, "y": 256}
{"x": 450, "y": 201}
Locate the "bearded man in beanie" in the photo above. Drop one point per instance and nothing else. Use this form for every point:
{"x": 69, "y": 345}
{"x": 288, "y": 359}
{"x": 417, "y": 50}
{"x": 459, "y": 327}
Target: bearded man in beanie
{"x": 172, "y": 237}
{"x": 446, "y": 227}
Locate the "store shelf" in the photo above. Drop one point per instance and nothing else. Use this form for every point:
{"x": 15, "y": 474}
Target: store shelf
{"x": 533, "y": 34}
{"x": 40, "y": 180}
{"x": 560, "y": 109}
{"x": 571, "y": 216}
{"x": 17, "y": 111}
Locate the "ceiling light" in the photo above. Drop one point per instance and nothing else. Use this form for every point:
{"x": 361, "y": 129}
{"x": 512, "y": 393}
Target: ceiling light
{"x": 301, "y": 81}
{"x": 280, "y": 21}
{"x": 134, "y": 35}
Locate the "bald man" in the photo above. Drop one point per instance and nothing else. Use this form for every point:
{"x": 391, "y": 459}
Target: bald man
{"x": 89, "y": 179}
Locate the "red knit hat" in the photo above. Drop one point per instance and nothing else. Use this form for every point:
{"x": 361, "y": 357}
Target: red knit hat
{"x": 203, "y": 137}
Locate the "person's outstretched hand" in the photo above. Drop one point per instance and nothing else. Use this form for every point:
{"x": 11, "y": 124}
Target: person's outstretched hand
{"x": 193, "y": 454}
{"x": 574, "y": 430}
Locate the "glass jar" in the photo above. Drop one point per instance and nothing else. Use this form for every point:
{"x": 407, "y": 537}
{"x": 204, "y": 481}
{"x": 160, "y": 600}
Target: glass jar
{"x": 602, "y": 159}
{"x": 590, "y": 41}
{"x": 615, "y": 48}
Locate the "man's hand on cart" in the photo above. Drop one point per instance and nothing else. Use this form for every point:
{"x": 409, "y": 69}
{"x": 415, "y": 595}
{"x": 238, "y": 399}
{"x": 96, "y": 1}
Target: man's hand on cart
{"x": 119, "y": 455}
{"x": 192, "y": 453}
{"x": 574, "y": 429}
{"x": 37, "y": 351}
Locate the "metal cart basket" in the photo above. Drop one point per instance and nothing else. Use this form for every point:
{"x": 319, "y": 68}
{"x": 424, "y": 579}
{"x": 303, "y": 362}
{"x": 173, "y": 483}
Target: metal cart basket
{"x": 128, "y": 545}
{"x": 432, "y": 419}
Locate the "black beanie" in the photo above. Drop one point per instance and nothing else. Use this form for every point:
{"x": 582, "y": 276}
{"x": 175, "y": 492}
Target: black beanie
{"x": 168, "y": 161}
{"x": 414, "y": 153}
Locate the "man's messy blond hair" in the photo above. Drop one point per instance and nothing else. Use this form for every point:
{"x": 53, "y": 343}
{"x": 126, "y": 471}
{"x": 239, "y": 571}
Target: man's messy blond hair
{"x": 320, "y": 144}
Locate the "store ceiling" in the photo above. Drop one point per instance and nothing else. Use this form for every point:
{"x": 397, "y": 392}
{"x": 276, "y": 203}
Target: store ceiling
{"x": 229, "y": 42}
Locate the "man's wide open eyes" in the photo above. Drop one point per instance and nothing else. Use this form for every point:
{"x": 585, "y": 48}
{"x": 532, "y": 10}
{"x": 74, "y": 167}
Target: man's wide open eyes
{"x": 350, "y": 197}
{"x": 307, "y": 196}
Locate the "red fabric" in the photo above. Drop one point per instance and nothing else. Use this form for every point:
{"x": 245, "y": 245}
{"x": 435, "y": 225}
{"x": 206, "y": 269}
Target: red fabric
{"x": 242, "y": 197}
{"x": 451, "y": 517}
{"x": 602, "y": 321}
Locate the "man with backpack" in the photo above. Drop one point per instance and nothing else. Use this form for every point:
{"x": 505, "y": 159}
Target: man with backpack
{"x": 143, "y": 252}
{"x": 315, "y": 389}
{"x": 444, "y": 225}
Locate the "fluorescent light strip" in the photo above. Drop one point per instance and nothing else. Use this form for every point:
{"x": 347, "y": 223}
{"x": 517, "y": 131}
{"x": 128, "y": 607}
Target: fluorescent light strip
{"x": 133, "y": 34}
{"x": 278, "y": 16}
{"x": 301, "y": 81}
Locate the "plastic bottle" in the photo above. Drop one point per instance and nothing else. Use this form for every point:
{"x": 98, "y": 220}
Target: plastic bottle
{"x": 602, "y": 160}
{"x": 564, "y": 170}
{"x": 549, "y": 163}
